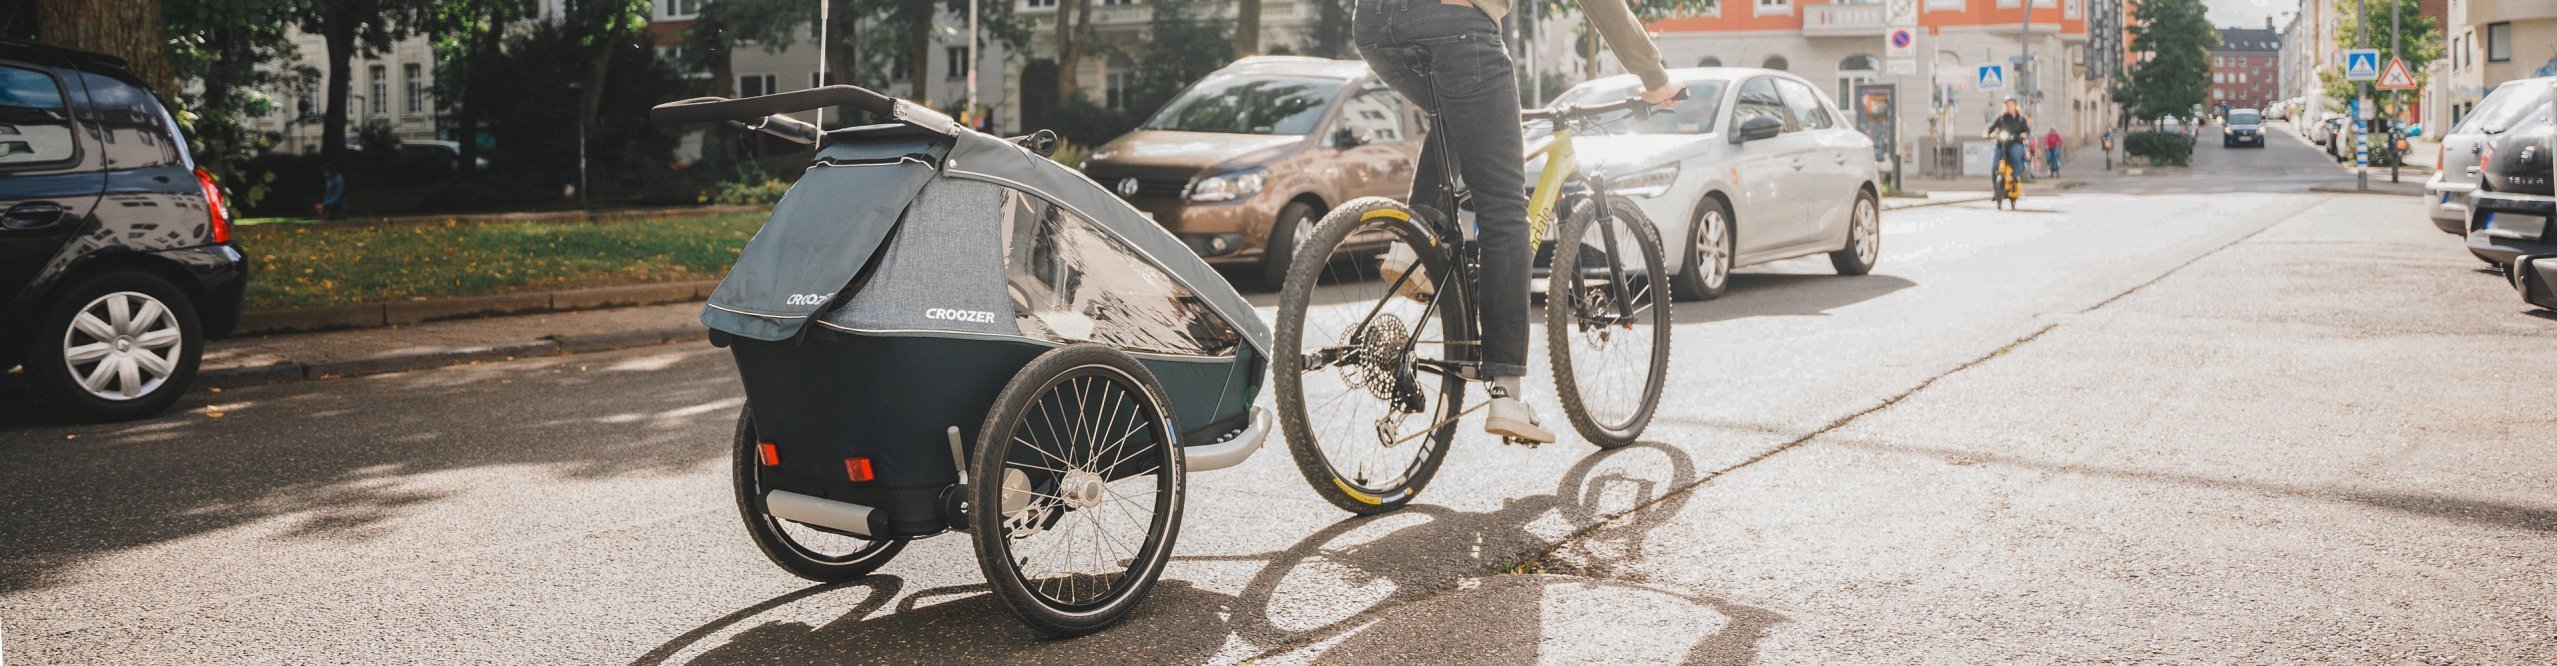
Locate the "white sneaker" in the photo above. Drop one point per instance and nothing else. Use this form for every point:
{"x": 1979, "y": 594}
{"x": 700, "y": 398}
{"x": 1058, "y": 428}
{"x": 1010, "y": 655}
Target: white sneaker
{"x": 1399, "y": 259}
{"x": 1515, "y": 420}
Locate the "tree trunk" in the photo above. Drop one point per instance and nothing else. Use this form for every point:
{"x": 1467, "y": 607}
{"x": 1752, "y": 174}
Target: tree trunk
{"x": 1247, "y": 28}
{"x": 128, "y": 29}
{"x": 340, "y": 39}
{"x": 1070, "y": 34}
{"x": 919, "y": 55}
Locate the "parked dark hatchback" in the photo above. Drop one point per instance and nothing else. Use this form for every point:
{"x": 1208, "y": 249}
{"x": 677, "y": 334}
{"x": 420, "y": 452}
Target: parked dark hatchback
{"x": 2514, "y": 210}
{"x": 114, "y": 248}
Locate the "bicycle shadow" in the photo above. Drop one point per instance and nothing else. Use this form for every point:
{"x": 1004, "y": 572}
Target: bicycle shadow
{"x": 1418, "y": 583}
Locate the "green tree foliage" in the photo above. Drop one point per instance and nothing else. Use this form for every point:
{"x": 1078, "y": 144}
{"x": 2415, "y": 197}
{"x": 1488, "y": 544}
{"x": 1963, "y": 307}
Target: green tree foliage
{"x": 234, "y": 51}
{"x": 2176, "y": 37}
{"x": 349, "y": 27}
{"x": 2418, "y": 42}
{"x": 1184, "y": 45}
{"x": 534, "y": 125}
{"x": 470, "y": 38}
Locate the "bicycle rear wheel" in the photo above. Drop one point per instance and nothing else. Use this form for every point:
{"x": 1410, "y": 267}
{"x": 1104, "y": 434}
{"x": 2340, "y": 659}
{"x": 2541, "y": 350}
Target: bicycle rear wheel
{"x": 1607, "y": 321}
{"x": 1367, "y": 347}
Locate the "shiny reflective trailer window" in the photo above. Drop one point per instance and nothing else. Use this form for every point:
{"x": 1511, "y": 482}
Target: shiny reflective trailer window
{"x": 1073, "y": 282}
{"x": 35, "y": 126}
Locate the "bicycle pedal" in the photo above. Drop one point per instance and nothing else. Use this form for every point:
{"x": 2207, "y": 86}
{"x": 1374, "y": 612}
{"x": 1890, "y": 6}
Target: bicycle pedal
{"x": 1513, "y": 441}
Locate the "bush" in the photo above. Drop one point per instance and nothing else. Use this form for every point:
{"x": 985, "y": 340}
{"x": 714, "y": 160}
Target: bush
{"x": 2160, "y": 148}
{"x": 752, "y": 192}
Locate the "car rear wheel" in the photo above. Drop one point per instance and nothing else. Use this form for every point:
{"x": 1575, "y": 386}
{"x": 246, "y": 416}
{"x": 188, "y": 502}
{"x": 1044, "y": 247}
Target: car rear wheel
{"x": 116, "y": 346}
{"x": 1707, "y": 268}
{"x": 1864, "y": 239}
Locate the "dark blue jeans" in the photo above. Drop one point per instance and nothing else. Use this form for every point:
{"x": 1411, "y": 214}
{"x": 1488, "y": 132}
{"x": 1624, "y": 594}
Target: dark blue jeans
{"x": 1449, "y": 59}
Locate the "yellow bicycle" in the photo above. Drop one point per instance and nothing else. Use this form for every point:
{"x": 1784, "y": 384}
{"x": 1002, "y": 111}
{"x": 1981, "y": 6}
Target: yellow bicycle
{"x": 1377, "y": 323}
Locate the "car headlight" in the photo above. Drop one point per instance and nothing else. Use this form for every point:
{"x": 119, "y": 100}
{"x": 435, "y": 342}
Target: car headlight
{"x": 1649, "y": 183}
{"x": 1229, "y": 186}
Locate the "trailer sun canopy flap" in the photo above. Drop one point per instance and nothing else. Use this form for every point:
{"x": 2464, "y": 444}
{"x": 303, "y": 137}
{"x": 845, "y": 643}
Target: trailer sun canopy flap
{"x": 824, "y": 232}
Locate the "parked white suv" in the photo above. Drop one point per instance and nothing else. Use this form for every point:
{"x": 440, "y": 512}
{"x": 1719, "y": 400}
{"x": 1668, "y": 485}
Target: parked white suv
{"x": 2509, "y": 106}
{"x": 1724, "y": 200}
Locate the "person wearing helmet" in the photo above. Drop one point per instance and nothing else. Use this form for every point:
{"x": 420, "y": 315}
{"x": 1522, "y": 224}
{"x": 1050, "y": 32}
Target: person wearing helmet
{"x": 2013, "y": 132}
{"x": 1447, "y": 55}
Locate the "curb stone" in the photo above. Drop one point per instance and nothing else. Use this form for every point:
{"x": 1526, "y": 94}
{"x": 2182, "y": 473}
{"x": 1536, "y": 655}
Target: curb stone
{"x": 419, "y": 359}
{"x": 376, "y": 315}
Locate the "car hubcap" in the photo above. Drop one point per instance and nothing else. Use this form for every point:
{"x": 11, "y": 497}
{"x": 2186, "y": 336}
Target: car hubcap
{"x": 1868, "y": 227}
{"x": 1709, "y": 249}
{"x": 122, "y": 346}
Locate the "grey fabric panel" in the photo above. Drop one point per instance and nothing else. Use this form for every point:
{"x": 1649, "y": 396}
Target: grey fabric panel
{"x": 983, "y": 157}
{"x": 944, "y": 271}
{"x": 819, "y": 237}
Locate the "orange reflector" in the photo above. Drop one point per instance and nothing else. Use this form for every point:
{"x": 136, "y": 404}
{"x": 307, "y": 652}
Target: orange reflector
{"x": 772, "y": 458}
{"x": 857, "y": 469}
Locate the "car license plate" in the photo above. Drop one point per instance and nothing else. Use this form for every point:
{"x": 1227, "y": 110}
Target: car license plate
{"x": 2520, "y": 227}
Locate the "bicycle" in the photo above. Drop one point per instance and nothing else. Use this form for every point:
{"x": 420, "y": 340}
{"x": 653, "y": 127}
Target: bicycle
{"x": 2006, "y": 191}
{"x": 1606, "y": 310}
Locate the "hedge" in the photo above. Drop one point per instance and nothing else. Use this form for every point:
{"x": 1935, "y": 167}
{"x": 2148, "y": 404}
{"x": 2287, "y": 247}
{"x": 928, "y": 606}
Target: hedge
{"x": 2161, "y": 148}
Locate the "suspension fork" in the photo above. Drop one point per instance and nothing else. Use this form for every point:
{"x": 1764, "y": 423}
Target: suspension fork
{"x": 1601, "y": 214}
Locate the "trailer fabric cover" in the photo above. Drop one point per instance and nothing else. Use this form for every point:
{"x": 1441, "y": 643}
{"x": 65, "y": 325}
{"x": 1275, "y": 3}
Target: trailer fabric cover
{"x": 986, "y": 158}
{"x": 943, "y": 273}
{"x": 823, "y": 232}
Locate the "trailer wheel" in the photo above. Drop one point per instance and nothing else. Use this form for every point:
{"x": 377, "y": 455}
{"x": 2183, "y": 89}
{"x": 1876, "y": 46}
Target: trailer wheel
{"x": 807, "y": 551}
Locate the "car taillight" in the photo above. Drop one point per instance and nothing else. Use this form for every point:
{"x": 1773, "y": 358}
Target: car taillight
{"x": 2486, "y": 158}
{"x": 215, "y": 209}
{"x": 2441, "y": 153}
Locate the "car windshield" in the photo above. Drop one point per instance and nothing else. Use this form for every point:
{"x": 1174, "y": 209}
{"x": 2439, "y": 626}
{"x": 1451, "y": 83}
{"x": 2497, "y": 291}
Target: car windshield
{"x": 1248, "y": 104}
{"x": 2245, "y": 119}
{"x": 1694, "y": 116}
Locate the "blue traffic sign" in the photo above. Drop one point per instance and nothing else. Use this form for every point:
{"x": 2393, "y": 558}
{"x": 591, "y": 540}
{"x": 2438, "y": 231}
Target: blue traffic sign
{"x": 2361, "y": 64}
{"x": 1993, "y": 77}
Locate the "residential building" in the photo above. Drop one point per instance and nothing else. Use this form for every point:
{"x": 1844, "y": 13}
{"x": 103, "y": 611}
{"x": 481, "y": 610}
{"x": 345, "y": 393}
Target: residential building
{"x": 2246, "y": 69}
{"x": 2490, "y": 42}
{"x": 394, "y": 87}
{"x": 1941, "y": 96}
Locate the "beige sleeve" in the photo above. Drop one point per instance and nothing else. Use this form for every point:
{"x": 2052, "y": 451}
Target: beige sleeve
{"x": 1625, "y": 35}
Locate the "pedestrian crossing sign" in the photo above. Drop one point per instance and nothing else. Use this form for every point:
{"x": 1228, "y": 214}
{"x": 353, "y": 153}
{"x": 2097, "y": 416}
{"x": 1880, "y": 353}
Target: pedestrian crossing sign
{"x": 2361, "y": 64}
{"x": 2395, "y": 77}
{"x": 1993, "y": 77}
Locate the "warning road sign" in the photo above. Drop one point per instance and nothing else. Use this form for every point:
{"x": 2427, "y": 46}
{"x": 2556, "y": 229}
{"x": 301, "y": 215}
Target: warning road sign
{"x": 2361, "y": 64}
{"x": 2395, "y": 77}
{"x": 1993, "y": 77}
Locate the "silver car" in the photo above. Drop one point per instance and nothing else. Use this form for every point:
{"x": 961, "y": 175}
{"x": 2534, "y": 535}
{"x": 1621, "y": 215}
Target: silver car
{"x": 2509, "y": 106}
{"x": 1724, "y": 200}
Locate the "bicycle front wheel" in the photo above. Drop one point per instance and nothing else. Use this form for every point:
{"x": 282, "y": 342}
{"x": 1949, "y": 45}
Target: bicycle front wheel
{"x": 1371, "y": 328}
{"x": 1607, "y": 321}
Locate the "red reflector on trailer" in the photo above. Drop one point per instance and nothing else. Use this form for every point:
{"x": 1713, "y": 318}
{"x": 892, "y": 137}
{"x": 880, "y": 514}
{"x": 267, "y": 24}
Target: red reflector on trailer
{"x": 857, "y": 469}
{"x": 772, "y": 457}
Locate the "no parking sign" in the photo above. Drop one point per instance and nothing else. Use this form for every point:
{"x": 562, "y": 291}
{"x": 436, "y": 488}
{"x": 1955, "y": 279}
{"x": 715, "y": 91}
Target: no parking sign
{"x": 1899, "y": 42}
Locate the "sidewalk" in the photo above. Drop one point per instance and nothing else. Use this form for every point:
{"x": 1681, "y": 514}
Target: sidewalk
{"x": 264, "y": 359}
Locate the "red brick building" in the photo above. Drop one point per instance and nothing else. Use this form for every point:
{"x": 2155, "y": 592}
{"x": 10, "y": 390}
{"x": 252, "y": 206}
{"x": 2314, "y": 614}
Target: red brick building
{"x": 2246, "y": 70}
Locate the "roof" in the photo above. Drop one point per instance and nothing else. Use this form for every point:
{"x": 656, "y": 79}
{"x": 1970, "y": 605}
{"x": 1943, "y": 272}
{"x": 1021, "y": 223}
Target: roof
{"x": 2249, "y": 39}
{"x": 1299, "y": 65}
{"x": 87, "y": 59}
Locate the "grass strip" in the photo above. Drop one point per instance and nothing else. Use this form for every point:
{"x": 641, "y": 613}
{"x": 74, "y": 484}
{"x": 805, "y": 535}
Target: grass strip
{"x": 314, "y": 265}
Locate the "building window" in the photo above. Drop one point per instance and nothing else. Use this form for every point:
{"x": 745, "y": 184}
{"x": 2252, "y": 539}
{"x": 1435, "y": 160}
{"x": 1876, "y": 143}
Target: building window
{"x": 2499, "y": 42}
{"x": 1709, "y": 61}
{"x": 1115, "y": 89}
{"x": 1040, "y": 4}
{"x": 899, "y": 67}
{"x": 1854, "y": 71}
{"x": 1117, "y": 3}
{"x": 958, "y": 59}
{"x": 1771, "y": 7}
{"x": 751, "y": 85}
{"x": 1947, "y": 5}
{"x": 677, "y": 10}
{"x": 815, "y": 82}
{"x": 1775, "y": 62}
{"x": 414, "y": 75}
{"x": 381, "y": 97}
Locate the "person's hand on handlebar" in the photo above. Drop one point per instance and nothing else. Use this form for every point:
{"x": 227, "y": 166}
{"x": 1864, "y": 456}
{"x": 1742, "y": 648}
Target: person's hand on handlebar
{"x": 1665, "y": 96}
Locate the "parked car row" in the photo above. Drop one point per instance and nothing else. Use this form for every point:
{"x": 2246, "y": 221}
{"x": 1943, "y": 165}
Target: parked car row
{"x": 2494, "y": 186}
{"x": 1253, "y": 154}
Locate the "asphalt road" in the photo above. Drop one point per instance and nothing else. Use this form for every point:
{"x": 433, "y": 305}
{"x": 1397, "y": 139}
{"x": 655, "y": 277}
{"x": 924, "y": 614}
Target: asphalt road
{"x": 2168, "y": 427}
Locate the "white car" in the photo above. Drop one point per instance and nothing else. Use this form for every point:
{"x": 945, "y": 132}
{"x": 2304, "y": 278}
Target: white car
{"x": 1756, "y": 166}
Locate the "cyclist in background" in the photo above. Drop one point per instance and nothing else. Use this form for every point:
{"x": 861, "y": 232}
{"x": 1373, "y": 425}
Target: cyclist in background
{"x": 1447, "y": 55}
{"x": 2014, "y": 134}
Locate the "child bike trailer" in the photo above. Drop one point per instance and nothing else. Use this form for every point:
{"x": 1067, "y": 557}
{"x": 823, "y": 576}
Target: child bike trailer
{"x": 940, "y": 330}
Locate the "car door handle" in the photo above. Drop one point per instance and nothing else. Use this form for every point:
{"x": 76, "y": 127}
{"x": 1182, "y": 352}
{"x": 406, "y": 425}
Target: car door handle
{"x": 33, "y": 215}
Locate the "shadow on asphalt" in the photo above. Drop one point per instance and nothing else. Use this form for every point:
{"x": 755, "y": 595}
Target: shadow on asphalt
{"x": 2479, "y": 512}
{"x": 1446, "y": 600}
{"x": 1788, "y": 295}
{"x": 287, "y": 451}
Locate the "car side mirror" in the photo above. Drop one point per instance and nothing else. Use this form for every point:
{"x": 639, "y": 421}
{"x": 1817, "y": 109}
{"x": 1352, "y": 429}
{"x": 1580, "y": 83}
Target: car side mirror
{"x": 1346, "y": 138}
{"x": 1758, "y": 128}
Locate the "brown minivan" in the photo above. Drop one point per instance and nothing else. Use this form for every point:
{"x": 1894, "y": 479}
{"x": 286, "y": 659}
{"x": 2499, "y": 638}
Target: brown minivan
{"x": 1255, "y": 153}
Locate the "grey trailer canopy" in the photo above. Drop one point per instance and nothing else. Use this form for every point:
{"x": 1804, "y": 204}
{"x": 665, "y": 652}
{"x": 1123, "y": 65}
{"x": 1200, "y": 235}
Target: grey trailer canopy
{"x": 967, "y": 252}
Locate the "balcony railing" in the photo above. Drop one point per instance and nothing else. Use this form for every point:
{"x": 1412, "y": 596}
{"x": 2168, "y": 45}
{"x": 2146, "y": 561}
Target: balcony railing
{"x": 1843, "y": 20}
